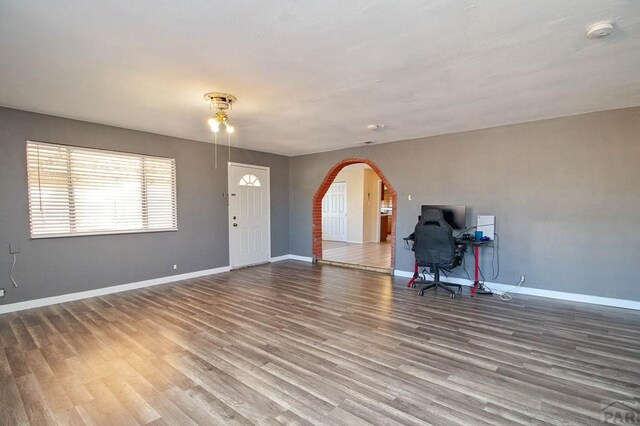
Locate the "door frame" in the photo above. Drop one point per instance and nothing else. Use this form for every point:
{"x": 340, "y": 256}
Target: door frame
{"x": 346, "y": 209}
{"x": 378, "y": 207}
{"x": 230, "y": 221}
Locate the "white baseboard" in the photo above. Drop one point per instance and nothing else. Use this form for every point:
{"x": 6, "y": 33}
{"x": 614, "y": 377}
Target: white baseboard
{"x": 531, "y": 291}
{"x": 301, "y": 258}
{"x": 574, "y": 297}
{"x": 292, "y": 257}
{"x": 399, "y": 273}
{"x": 36, "y": 303}
{"x": 280, "y": 258}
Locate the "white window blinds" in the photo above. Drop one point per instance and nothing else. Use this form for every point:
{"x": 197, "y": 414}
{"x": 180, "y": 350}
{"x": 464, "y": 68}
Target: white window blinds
{"x": 82, "y": 191}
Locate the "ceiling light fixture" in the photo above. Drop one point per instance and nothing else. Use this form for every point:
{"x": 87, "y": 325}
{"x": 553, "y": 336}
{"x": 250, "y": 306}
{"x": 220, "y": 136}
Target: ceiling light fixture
{"x": 219, "y": 104}
{"x": 599, "y": 29}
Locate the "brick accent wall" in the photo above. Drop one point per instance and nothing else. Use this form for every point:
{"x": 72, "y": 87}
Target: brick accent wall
{"x": 316, "y": 206}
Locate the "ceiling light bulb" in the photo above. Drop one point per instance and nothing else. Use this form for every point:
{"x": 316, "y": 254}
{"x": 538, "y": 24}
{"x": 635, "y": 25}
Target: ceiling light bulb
{"x": 212, "y": 122}
{"x": 230, "y": 128}
{"x": 215, "y": 127}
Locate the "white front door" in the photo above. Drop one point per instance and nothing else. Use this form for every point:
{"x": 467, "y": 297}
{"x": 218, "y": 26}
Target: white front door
{"x": 249, "y": 215}
{"x": 334, "y": 212}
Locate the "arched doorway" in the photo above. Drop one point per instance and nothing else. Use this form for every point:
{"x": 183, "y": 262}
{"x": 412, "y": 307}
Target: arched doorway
{"x": 316, "y": 206}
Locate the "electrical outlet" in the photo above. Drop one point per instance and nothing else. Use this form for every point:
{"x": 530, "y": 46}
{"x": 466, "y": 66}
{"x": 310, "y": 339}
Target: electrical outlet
{"x": 14, "y": 248}
{"x": 175, "y": 267}
{"x": 2, "y": 292}
{"x": 522, "y": 278}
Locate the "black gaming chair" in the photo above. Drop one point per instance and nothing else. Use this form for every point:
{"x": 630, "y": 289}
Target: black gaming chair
{"x": 436, "y": 249}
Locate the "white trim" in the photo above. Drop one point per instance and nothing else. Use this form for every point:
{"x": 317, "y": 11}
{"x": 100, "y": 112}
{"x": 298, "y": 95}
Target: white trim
{"x": 354, "y": 242}
{"x": 252, "y": 166}
{"x": 552, "y": 294}
{"x": 301, "y": 258}
{"x": 53, "y": 300}
{"x": 280, "y": 258}
{"x": 292, "y": 257}
{"x": 36, "y": 303}
{"x": 378, "y": 210}
{"x": 399, "y": 273}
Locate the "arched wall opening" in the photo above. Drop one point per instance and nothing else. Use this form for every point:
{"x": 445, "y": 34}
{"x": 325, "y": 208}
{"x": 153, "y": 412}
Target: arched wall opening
{"x": 316, "y": 207}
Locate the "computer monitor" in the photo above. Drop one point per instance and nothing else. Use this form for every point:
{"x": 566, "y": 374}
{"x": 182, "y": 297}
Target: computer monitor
{"x": 455, "y": 216}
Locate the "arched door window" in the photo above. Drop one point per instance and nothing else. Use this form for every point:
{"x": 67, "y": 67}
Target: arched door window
{"x": 249, "y": 180}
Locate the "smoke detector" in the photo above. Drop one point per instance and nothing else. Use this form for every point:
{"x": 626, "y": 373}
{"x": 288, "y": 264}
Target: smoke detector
{"x": 375, "y": 127}
{"x": 599, "y": 29}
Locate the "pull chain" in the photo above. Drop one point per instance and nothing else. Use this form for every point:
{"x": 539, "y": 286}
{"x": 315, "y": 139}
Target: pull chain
{"x": 215, "y": 140}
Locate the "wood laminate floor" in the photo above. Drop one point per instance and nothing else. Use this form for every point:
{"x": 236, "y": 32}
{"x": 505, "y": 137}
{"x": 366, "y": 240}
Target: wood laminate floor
{"x": 295, "y": 343}
{"x": 377, "y": 255}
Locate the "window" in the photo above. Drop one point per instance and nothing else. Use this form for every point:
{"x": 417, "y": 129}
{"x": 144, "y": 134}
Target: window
{"x": 82, "y": 191}
{"x": 249, "y": 180}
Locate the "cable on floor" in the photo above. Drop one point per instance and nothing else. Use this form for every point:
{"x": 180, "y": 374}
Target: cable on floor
{"x": 13, "y": 268}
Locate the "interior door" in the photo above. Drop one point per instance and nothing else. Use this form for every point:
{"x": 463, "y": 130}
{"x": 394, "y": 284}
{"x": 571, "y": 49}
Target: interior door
{"x": 249, "y": 215}
{"x": 334, "y": 213}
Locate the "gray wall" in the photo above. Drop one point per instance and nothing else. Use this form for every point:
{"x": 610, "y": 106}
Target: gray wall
{"x": 48, "y": 267}
{"x": 565, "y": 192}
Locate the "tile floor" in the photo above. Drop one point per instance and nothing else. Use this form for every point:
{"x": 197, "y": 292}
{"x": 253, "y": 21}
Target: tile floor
{"x": 366, "y": 254}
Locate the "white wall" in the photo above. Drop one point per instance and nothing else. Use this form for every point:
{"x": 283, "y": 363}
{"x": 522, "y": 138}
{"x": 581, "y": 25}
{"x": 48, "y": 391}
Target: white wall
{"x": 362, "y": 202}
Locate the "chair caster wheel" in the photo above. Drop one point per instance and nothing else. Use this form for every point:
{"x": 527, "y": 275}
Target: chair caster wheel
{"x": 459, "y": 289}
{"x": 453, "y": 296}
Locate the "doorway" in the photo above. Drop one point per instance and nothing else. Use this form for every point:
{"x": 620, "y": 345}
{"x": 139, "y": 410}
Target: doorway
{"x": 249, "y": 215}
{"x": 354, "y": 217}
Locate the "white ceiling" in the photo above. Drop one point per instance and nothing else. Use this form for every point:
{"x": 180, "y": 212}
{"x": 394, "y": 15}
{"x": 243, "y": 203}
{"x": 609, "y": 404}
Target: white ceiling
{"x": 310, "y": 76}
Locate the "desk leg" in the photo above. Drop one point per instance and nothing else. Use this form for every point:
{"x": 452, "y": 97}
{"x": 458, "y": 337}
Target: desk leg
{"x": 478, "y": 287}
{"x": 415, "y": 275}
{"x": 476, "y": 277}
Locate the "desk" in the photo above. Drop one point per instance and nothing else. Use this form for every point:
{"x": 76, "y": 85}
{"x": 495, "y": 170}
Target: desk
{"x": 478, "y": 287}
